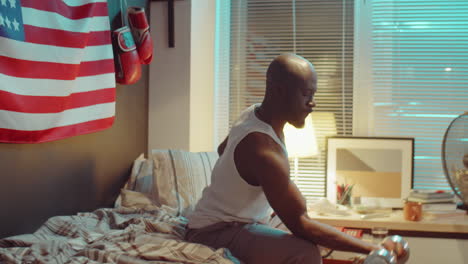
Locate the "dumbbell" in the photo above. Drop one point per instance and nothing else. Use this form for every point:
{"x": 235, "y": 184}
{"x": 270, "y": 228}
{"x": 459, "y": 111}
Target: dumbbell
{"x": 384, "y": 256}
{"x": 381, "y": 256}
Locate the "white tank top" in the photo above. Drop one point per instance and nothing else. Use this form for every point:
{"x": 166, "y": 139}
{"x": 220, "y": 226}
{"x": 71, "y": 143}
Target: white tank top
{"x": 230, "y": 198}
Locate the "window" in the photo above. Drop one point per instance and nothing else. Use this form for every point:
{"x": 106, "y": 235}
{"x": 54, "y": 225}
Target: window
{"x": 418, "y": 65}
{"x": 400, "y": 69}
{"x": 320, "y": 31}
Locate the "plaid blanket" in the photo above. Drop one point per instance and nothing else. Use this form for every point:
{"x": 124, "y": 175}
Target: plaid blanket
{"x": 118, "y": 235}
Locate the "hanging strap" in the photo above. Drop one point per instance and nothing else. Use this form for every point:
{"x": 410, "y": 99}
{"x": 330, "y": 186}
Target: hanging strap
{"x": 122, "y": 17}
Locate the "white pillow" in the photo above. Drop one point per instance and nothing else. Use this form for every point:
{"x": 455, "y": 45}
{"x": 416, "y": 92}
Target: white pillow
{"x": 141, "y": 180}
{"x": 172, "y": 178}
{"x": 135, "y": 199}
{"x": 182, "y": 176}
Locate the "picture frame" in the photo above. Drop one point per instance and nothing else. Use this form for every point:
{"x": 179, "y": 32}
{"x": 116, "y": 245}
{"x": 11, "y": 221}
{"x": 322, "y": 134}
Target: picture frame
{"x": 379, "y": 169}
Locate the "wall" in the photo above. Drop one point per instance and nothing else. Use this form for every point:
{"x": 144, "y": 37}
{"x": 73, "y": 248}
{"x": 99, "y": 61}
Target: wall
{"x": 181, "y": 78}
{"x": 202, "y": 75}
{"x": 72, "y": 175}
{"x": 169, "y": 78}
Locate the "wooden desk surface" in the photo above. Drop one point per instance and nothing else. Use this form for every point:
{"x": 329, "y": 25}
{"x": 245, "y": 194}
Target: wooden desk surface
{"x": 457, "y": 226}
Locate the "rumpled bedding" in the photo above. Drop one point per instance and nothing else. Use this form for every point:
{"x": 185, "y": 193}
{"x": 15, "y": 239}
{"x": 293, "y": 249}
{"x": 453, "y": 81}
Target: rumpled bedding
{"x": 111, "y": 235}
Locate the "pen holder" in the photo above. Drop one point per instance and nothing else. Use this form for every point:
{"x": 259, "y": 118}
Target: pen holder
{"x": 343, "y": 194}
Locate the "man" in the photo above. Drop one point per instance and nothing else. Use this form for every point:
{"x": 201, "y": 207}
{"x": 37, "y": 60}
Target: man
{"x": 252, "y": 174}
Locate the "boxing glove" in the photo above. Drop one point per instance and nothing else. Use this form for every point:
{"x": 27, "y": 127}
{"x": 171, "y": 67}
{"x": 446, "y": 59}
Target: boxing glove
{"x": 140, "y": 31}
{"x": 127, "y": 61}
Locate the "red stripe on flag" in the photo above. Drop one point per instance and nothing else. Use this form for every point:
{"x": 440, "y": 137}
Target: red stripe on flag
{"x": 52, "y": 70}
{"x": 20, "y": 136}
{"x": 54, "y": 104}
{"x": 72, "y": 12}
{"x": 88, "y": 68}
{"x": 62, "y": 38}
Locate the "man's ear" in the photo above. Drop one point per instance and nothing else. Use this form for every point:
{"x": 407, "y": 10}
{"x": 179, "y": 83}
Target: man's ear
{"x": 280, "y": 90}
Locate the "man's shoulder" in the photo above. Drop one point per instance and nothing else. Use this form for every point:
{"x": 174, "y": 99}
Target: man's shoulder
{"x": 256, "y": 155}
{"x": 259, "y": 142}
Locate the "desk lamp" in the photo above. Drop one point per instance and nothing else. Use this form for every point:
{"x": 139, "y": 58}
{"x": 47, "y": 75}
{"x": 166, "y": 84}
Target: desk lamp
{"x": 300, "y": 143}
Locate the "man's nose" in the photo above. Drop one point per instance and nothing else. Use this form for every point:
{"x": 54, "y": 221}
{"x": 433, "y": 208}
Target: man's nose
{"x": 312, "y": 104}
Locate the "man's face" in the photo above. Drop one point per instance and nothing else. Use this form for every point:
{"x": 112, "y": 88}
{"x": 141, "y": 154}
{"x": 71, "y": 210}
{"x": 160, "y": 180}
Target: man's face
{"x": 301, "y": 100}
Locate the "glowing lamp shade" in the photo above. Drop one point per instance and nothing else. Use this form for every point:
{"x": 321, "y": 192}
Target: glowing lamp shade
{"x": 301, "y": 142}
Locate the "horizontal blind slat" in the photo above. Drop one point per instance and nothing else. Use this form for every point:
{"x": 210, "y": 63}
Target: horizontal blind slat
{"x": 420, "y": 76}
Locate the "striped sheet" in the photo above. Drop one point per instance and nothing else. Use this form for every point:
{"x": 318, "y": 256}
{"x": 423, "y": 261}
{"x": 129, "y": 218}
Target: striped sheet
{"x": 120, "y": 235}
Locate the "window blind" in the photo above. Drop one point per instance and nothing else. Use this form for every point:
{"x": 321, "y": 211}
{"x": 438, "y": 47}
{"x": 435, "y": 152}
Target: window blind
{"x": 420, "y": 76}
{"x": 320, "y": 31}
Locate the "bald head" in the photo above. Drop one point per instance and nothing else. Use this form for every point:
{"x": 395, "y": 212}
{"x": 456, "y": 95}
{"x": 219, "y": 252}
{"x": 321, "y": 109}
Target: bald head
{"x": 290, "y": 89}
{"x": 288, "y": 68}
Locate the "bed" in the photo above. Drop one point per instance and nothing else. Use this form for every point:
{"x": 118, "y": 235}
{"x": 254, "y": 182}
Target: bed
{"x": 146, "y": 225}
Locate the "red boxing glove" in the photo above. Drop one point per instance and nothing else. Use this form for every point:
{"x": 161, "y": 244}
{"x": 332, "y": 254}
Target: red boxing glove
{"x": 128, "y": 67}
{"x": 140, "y": 30}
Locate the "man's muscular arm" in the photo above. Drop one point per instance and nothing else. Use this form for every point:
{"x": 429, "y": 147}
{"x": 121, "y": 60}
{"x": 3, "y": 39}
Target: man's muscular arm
{"x": 265, "y": 163}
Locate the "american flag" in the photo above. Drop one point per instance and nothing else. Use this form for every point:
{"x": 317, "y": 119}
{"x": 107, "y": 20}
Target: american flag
{"x": 57, "y": 75}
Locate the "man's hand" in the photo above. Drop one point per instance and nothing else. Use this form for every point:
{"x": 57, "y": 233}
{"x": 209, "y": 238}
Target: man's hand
{"x": 398, "y": 246}
{"x": 398, "y": 249}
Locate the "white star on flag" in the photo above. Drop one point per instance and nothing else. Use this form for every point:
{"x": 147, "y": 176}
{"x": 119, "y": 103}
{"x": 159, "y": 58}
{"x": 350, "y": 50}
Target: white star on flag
{"x": 4, "y": 2}
{"x": 16, "y": 24}
{"x": 8, "y": 23}
{"x": 12, "y": 4}
{"x": 2, "y": 23}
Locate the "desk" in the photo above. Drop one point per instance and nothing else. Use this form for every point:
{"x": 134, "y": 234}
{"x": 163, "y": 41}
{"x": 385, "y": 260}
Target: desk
{"x": 450, "y": 227}
{"x": 431, "y": 241}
